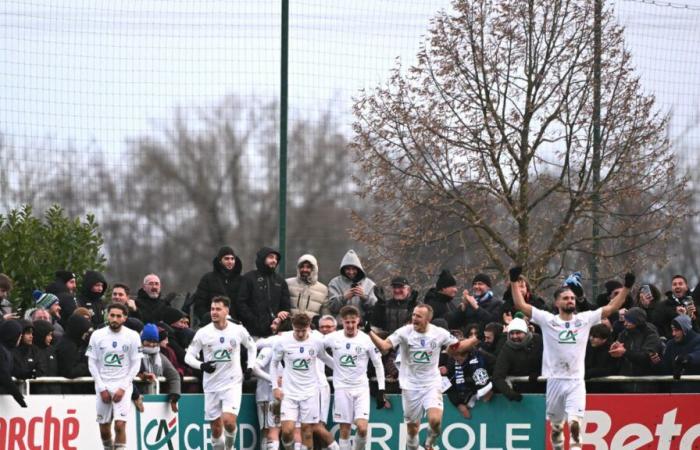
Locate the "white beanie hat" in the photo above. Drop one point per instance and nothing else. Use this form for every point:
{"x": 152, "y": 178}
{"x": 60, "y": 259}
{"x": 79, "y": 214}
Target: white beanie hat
{"x": 518, "y": 324}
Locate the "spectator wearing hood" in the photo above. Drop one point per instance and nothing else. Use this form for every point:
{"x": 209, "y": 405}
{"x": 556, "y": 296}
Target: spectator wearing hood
{"x": 23, "y": 354}
{"x": 263, "y": 296}
{"x": 306, "y": 294}
{"x": 638, "y": 348}
{"x": 521, "y": 355}
{"x": 351, "y": 287}
{"x": 390, "y": 315}
{"x": 45, "y": 356}
{"x": 70, "y": 351}
{"x": 679, "y": 300}
{"x": 682, "y": 354}
{"x": 148, "y": 299}
{"x": 442, "y": 297}
{"x": 223, "y": 280}
{"x": 6, "y": 310}
{"x": 90, "y": 296}
{"x": 154, "y": 365}
{"x": 482, "y": 307}
{"x": 180, "y": 328}
{"x": 10, "y": 335}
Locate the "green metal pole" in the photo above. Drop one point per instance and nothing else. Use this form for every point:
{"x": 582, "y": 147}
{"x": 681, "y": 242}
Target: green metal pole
{"x": 283, "y": 136}
{"x": 595, "y": 162}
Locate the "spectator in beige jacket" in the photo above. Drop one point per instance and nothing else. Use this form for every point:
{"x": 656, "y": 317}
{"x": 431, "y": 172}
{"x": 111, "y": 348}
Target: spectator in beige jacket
{"x": 306, "y": 293}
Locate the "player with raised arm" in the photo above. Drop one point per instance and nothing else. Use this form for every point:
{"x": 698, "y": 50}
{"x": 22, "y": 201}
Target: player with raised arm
{"x": 114, "y": 359}
{"x": 564, "y": 337}
{"x": 220, "y": 344}
{"x": 420, "y": 344}
{"x": 352, "y": 350}
{"x": 299, "y": 392}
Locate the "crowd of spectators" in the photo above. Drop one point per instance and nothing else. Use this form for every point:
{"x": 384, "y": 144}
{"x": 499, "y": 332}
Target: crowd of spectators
{"x": 653, "y": 334}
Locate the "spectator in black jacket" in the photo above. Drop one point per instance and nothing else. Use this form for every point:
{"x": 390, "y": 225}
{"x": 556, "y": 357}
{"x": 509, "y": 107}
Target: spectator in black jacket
{"x": 638, "y": 349}
{"x": 264, "y": 295}
{"x": 679, "y": 300}
{"x": 10, "y": 334}
{"x": 599, "y": 363}
{"x": 682, "y": 354}
{"x": 70, "y": 351}
{"x": 149, "y": 301}
{"x": 64, "y": 287}
{"x": 45, "y": 357}
{"x": 442, "y": 297}
{"x": 521, "y": 355}
{"x": 389, "y": 315}
{"x": 90, "y": 296}
{"x": 223, "y": 280}
{"x": 24, "y": 360}
{"x": 530, "y": 297}
{"x": 482, "y": 307}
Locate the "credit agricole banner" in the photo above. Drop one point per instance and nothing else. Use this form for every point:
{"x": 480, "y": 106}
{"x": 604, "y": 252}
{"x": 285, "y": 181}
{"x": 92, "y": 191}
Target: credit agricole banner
{"x": 68, "y": 423}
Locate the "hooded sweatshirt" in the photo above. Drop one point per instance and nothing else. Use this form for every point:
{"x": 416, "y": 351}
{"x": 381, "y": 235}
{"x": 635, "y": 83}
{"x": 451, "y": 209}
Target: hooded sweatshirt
{"x": 307, "y": 295}
{"x": 72, "y": 362}
{"x": 10, "y": 331}
{"x": 341, "y": 284}
{"x": 688, "y": 346}
{"x": 639, "y": 343}
{"x": 263, "y": 294}
{"x": 220, "y": 281}
{"x": 45, "y": 357}
{"x": 91, "y": 300}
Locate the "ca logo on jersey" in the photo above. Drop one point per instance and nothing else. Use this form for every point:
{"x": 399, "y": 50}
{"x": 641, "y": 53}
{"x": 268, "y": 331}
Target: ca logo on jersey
{"x": 348, "y": 361}
{"x": 567, "y": 337}
{"x": 421, "y": 357}
{"x": 113, "y": 359}
{"x": 222, "y": 355}
{"x": 300, "y": 364}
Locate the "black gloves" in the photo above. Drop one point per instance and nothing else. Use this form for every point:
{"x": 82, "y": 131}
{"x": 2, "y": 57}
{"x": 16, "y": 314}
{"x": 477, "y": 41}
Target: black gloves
{"x": 629, "y": 280}
{"x": 514, "y": 273}
{"x": 20, "y": 400}
{"x": 367, "y": 327}
{"x": 208, "y": 367}
{"x": 381, "y": 399}
{"x": 173, "y": 397}
{"x": 514, "y": 396}
{"x": 679, "y": 364}
{"x": 532, "y": 378}
{"x": 379, "y": 293}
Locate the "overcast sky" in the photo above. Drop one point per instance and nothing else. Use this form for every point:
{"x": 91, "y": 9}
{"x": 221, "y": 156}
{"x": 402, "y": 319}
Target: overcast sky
{"x": 102, "y": 71}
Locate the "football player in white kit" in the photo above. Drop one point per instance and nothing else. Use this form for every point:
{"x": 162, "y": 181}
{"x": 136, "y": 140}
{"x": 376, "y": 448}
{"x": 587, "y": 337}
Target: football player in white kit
{"x": 564, "y": 337}
{"x": 220, "y": 343}
{"x": 299, "y": 392}
{"x": 114, "y": 359}
{"x": 352, "y": 350}
{"x": 420, "y": 381}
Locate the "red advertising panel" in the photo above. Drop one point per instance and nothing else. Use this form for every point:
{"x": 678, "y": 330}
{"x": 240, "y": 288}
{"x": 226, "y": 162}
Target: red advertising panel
{"x": 641, "y": 422}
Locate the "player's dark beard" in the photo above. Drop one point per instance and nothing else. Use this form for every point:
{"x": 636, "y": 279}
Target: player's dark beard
{"x": 114, "y": 326}
{"x": 569, "y": 309}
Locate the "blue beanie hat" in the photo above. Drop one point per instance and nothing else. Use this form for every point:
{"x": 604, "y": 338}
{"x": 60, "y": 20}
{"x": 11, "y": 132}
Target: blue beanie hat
{"x": 150, "y": 333}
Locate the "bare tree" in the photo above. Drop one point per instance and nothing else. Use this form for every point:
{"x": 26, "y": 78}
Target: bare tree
{"x": 480, "y": 154}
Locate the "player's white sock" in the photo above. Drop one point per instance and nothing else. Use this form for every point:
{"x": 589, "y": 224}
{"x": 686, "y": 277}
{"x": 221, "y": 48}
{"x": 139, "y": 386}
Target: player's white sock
{"x": 303, "y": 447}
{"x": 217, "y": 443}
{"x": 344, "y": 444}
{"x": 297, "y": 446}
{"x": 108, "y": 444}
{"x": 333, "y": 446}
{"x": 432, "y": 437}
{"x": 412, "y": 443}
{"x": 272, "y": 445}
{"x": 288, "y": 445}
{"x": 360, "y": 442}
{"x": 229, "y": 438}
{"x": 119, "y": 446}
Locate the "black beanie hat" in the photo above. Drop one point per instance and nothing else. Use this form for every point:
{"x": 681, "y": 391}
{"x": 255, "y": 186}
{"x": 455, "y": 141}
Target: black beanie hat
{"x": 445, "y": 279}
{"x": 171, "y": 315}
{"x": 611, "y": 285}
{"x": 483, "y": 278}
{"x": 225, "y": 250}
{"x": 64, "y": 275}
